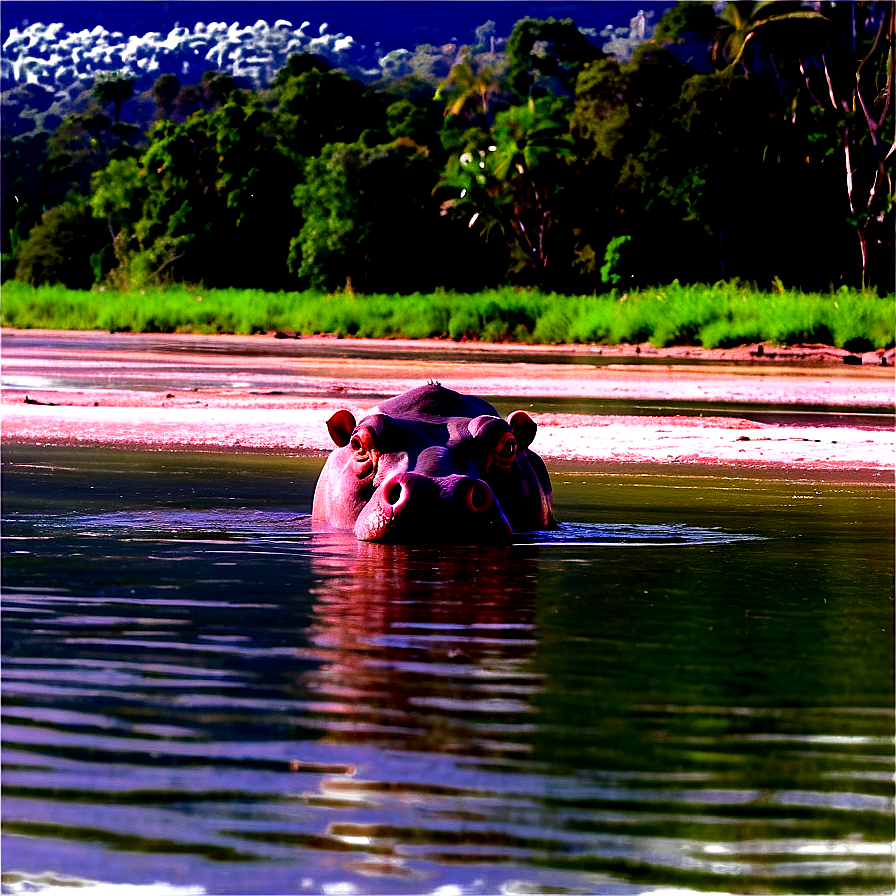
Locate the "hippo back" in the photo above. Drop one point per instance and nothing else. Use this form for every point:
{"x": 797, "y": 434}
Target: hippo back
{"x": 434, "y": 404}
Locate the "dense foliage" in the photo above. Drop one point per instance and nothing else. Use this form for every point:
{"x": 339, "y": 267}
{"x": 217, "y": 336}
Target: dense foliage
{"x": 749, "y": 142}
{"x": 720, "y": 316}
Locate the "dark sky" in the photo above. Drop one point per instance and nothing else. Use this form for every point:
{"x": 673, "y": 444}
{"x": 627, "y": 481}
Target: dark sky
{"x": 394, "y": 24}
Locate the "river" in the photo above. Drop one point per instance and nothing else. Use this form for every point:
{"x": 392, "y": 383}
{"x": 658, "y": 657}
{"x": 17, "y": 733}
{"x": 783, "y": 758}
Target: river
{"x": 688, "y": 685}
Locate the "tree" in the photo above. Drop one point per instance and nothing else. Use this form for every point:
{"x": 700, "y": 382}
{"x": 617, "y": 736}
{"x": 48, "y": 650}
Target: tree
{"x": 511, "y": 184}
{"x": 546, "y": 56}
{"x": 741, "y": 22}
{"x": 851, "y": 85}
{"x": 81, "y": 145}
{"x": 316, "y": 107}
{"x": 214, "y": 196}
{"x": 165, "y": 92}
{"x": 605, "y": 103}
{"x": 24, "y": 187}
{"x": 686, "y": 31}
{"x": 84, "y": 143}
{"x": 117, "y": 193}
{"x": 117, "y": 196}
{"x": 687, "y": 21}
{"x": 59, "y": 248}
{"x": 298, "y": 64}
{"x": 832, "y": 66}
{"x": 619, "y": 110}
{"x": 216, "y": 88}
{"x": 114, "y": 89}
{"x": 485, "y": 37}
{"x": 469, "y": 87}
{"x": 733, "y": 172}
{"x": 369, "y": 219}
{"x": 407, "y": 120}
{"x": 25, "y": 108}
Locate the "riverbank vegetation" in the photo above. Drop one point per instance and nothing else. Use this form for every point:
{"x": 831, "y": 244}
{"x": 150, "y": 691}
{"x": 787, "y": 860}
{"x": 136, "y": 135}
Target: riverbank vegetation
{"x": 725, "y": 146}
{"x": 720, "y": 316}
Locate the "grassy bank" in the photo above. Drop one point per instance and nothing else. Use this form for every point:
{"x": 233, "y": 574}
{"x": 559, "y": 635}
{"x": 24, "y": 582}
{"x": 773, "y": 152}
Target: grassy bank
{"x": 711, "y": 316}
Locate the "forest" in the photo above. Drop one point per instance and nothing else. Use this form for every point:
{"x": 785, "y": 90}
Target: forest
{"x": 748, "y": 143}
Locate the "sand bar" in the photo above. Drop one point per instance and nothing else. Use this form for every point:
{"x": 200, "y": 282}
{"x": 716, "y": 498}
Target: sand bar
{"x": 258, "y": 393}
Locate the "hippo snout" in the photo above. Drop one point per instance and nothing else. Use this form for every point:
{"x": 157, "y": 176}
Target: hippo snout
{"x": 404, "y": 490}
{"x": 412, "y": 507}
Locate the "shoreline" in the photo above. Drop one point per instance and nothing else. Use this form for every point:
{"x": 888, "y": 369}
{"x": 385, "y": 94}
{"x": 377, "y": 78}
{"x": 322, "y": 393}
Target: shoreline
{"x": 79, "y": 389}
{"x": 762, "y": 353}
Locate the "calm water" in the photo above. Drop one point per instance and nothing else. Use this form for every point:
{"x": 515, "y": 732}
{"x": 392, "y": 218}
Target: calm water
{"x": 689, "y": 685}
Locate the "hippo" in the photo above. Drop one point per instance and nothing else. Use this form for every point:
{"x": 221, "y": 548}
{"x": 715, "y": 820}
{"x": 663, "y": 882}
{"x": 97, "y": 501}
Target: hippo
{"x": 432, "y": 465}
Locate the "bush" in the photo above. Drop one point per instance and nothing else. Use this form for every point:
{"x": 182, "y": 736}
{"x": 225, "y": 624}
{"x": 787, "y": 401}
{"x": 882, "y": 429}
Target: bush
{"x": 59, "y": 248}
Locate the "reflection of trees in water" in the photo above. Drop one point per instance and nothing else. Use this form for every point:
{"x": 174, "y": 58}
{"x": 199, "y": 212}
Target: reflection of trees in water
{"x": 425, "y": 649}
{"x": 586, "y": 711}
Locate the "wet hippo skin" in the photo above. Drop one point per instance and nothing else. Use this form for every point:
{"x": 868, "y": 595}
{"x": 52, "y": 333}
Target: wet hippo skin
{"x": 432, "y": 465}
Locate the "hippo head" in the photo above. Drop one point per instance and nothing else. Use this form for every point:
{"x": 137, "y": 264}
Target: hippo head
{"x": 433, "y": 465}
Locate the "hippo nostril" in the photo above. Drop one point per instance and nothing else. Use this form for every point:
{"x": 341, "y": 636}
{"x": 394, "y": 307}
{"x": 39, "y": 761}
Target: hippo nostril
{"x": 479, "y": 497}
{"x": 392, "y": 492}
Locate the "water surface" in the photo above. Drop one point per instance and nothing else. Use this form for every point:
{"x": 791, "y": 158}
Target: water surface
{"x": 689, "y": 684}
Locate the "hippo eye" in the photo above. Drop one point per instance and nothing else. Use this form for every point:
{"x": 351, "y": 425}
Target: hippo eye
{"x": 364, "y": 453}
{"x": 501, "y": 457}
{"x": 362, "y": 441}
{"x": 508, "y": 449}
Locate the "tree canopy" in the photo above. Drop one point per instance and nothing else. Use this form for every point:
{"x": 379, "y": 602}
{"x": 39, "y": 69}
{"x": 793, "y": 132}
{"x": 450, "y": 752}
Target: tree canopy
{"x": 748, "y": 141}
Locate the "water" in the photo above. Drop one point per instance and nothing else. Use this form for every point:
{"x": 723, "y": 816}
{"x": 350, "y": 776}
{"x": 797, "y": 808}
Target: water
{"x": 335, "y": 350}
{"x": 688, "y": 685}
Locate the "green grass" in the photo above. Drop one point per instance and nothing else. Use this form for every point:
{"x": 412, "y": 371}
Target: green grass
{"x": 711, "y": 316}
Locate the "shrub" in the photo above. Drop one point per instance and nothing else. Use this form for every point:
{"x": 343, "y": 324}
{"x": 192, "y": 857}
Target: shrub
{"x": 59, "y": 248}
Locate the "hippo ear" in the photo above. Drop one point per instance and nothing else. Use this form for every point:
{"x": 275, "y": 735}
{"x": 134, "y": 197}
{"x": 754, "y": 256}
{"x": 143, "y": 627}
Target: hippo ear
{"x": 341, "y": 426}
{"x": 523, "y": 428}
{"x": 483, "y": 424}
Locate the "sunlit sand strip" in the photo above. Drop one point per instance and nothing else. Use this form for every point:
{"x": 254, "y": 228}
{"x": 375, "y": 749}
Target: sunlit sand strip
{"x": 664, "y": 440}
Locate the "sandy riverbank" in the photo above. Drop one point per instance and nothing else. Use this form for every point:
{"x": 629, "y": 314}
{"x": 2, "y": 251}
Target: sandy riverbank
{"x": 74, "y": 390}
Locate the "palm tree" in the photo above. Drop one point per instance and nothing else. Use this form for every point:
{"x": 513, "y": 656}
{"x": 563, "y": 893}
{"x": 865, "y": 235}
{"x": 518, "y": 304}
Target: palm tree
{"x": 469, "y": 85}
{"x": 509, "y": 185}
{"x": 526, "y": 141}
{"x": 742, "y": 21}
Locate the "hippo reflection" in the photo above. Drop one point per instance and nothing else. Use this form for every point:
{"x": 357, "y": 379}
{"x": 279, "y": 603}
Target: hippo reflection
{"x": 433, "y": 465}
{"x": 420, "y": 663}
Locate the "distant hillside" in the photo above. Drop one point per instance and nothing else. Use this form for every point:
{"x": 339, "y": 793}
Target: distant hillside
{"x": 48, "y": 70}
{"x": 73, "y": 41}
